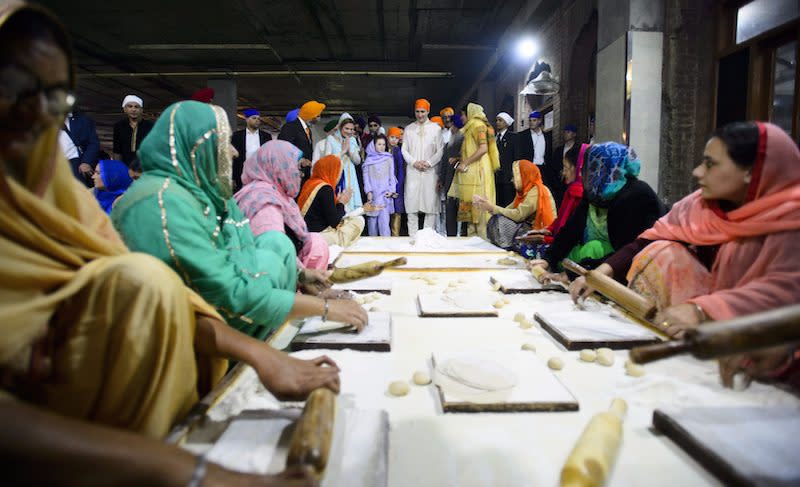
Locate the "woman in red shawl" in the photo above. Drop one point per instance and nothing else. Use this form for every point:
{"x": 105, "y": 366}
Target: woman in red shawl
{"x": 730, "y": 248}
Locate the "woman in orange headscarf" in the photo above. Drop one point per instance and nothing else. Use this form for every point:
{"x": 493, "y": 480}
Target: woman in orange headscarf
{"x": 323, "y": 209}
{"x": 533, "y": 207}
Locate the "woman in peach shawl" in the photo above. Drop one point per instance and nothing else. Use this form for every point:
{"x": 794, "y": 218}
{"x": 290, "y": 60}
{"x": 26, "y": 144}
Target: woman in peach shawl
{"x": 730, "y": 248}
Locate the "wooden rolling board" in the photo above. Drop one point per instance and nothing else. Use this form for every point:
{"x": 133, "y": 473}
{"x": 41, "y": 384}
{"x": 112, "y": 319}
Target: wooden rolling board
{"x": 742, "y": 446}
{"x": 521, "y": 281}
{"x": 456, "y": 305}
{"x": 381, "y": 245}
{"x": 538, "y": 389}
{"x": 376, "y": 337}
{"x": 577, "y": 329}
{"x": 432, "y": 262}
{"x": 378, "y": 284}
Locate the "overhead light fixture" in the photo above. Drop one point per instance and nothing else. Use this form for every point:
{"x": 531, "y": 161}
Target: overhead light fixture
{"x": 544, "y": 84}
{"x": 527, "y": 48}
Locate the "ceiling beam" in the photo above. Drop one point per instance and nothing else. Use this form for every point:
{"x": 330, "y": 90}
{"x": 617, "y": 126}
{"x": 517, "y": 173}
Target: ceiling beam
{"x": 312, "y": 10}
{"x": 382, "y": 29}
{"x": 413, "y": 19}
{"x": 269, "y": 74}
{"x": 337, "y": 24}
{"x": 506, "y": 40}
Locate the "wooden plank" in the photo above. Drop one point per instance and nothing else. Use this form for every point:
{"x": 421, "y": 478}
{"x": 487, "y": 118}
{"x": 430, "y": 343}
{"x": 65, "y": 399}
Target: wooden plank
{"x": 522, "y": 282}
{"x": 580, "y": 344}
{"x": 376, "y": 337}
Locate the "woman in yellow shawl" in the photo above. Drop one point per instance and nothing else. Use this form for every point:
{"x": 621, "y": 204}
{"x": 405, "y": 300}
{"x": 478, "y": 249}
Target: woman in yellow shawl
{"x": 475, "y": 173}
{"x": 95, "y": 340}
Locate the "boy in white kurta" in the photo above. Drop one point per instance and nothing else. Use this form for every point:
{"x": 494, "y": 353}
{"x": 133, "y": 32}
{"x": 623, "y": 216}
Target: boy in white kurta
{"x": 422, "y": 149}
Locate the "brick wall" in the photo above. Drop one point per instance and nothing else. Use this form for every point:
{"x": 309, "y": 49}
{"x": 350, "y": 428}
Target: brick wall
{"x": 688, "y": 76}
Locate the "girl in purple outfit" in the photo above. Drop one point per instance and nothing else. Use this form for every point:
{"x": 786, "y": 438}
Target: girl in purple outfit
{"x": 380, "y": 186}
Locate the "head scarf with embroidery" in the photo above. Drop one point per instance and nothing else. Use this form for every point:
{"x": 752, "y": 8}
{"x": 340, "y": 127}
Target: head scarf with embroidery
{"x": 607, "y": 170}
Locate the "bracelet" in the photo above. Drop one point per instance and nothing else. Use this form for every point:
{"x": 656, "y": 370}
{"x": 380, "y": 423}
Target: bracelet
{"x": 199, "y": 472}
{"x": 325, "y": 312}
{"x": 700, "y": 313}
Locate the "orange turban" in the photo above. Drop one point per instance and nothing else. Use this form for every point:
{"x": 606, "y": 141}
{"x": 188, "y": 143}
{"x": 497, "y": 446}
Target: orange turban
{"x": 447, "y": 112}
{"x": 311, "y": 110}
{"x": 422, "y": 103}
{"x": 438, "y": 120}
{"x": 395, "y": 132}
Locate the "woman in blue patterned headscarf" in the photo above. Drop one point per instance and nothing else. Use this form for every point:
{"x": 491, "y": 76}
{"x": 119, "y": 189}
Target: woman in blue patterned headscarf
{"x": 615, "y": 209}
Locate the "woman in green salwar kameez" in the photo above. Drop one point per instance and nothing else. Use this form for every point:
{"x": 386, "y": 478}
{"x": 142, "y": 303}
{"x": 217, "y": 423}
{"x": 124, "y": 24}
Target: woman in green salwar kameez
{"x": 182, "y": 212}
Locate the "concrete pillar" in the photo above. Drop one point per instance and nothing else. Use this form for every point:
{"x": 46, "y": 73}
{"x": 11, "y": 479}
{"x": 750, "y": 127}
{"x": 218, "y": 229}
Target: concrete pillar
{"x": 225, "y": 95}
{"x": 629, "y": 84}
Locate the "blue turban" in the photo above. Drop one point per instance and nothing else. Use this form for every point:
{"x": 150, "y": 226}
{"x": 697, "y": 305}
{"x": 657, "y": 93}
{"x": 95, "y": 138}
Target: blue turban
{"x": 292, "y": 115}
{"x": 571, "y": 128}
{"x": 535, "y": 114}
{"x": 250, "y": 112}
{"x": 458, "y": 121}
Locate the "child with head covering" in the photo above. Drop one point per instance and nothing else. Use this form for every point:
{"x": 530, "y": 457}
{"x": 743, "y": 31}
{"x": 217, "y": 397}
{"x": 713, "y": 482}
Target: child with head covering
{"x": 395, "y": 138}
{"x": 380, "y": 186}
{"x": 111, "y": 180}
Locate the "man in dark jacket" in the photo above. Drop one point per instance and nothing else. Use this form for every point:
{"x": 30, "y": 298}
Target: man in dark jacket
{"x": 130, "y": 131}
{"x": 298, "y": 133}
{"x": 247, "y": 141}
{"x": 504, "y": 177}
{"x": 78, "y": 140}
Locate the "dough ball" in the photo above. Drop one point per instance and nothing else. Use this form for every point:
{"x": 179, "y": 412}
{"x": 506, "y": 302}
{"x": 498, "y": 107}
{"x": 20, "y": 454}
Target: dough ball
{"x": 525, "y": 324}
{"x": 359, "y": 299}
{"x": 555, "y": 363}
{"x": 519, "y": 317}
{"x": 499, "y": 304}
{"x": 507, "y": 261}
{"x": 506, "y": 300}
{"x": 588, "y": 355}
{"x": 399, "y": 388}
{"x": 421, "y": 378}
{"x": 633, "y": 369}
{"x": 605, "y": 356}
{"x": 529, "y": 347}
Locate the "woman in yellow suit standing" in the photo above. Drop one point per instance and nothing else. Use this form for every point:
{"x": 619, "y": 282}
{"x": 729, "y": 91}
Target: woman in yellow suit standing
{"x": 474, "y": 179}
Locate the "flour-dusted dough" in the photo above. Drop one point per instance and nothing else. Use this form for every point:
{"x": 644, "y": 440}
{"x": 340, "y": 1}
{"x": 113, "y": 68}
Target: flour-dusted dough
{"x": 529, "y": 346}
{"x": 374, "y": 308}
{"x": 605, "y": 356}
{"x": 507, "y": 261}
{"x": 421, "y": 378}
{"x": 525, "y": 324}
{"x": 506, "y": 300}
{"x": 479, "y": 373}
{"x": 519, "y": 317}
{"x": 417, "y": 276}
{"x": 496, "y": 286}
{"x": 633, "y": 369}
{"x": 555, "y": 363}
{"x": 499, "y": 304}
{"x": 588, "y": 355}
{"x": 399, "y": 388}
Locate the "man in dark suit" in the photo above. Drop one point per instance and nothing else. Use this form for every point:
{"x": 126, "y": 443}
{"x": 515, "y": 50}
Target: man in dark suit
{"x": 247, "y": 141}
{"x": 506, "y": 145}
{"x": 298, "y": 133}
{"x": 78, "y": 140}
{"x": 553, "y": 178}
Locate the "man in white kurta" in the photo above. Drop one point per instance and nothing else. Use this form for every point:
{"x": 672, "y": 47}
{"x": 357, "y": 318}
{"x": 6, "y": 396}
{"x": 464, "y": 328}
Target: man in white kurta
{"x": 422, "y": 150}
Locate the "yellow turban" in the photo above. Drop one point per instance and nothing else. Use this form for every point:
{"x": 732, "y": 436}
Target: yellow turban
{"x": 311, "y": 110}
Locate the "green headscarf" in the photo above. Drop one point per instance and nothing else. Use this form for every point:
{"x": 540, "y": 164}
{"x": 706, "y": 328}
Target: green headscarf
{"x": 184, "y": 145}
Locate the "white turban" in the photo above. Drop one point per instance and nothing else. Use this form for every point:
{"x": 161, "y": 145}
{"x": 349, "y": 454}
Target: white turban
{"x": 132, "y": 98}
{"x": 506, "y": 118}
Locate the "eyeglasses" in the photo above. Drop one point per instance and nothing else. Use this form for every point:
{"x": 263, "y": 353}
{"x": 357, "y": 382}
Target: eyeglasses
{"x": 24, "y": 90}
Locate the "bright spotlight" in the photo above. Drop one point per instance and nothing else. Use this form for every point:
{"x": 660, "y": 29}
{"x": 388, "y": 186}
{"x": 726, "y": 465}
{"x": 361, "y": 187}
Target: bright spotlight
{"x": 527, "y": 48}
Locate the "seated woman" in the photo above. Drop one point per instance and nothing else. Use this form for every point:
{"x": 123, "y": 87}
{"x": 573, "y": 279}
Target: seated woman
{"x": 181, "y": 212}
{"x": 616, "y": 208}
{"x": 344, "y": 144}
{"x": 271, "y": 181}
{"x": 111, "y": 180}
{"x": 730, "y": 248}
{"x": 533, "y": 207}
{"x": 101, "y": 350}
{"x": 323, "y": 209}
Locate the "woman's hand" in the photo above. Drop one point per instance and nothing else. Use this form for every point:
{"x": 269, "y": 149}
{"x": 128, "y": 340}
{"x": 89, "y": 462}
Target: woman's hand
{"x": 676, "y": 319}
{"x": 754, "y": 365}
{"x": 349, "y": 312}
{"x": 549, "y": 277}
{"x": 344, "y": 196}
{"x": 537, "y": 267}
{"x": 313, "y": 281}
{"x": 369, "y": 196}
{"x": 453, "y": 160}
{"x": 579, "y": 290}
{"x": 289, "y": 378}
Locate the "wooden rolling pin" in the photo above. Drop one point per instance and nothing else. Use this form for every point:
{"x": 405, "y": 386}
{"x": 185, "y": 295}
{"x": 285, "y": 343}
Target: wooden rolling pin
{"x": 594, "y": 454}
{"x": 362, "y": 271}
{"x": 711, "y": 340}
{"x": 634, "y": 303}
{"x": 313, "y": 434}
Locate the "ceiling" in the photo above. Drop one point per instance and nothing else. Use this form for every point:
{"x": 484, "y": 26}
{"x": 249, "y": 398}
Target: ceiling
{"x": 165, "y": 50}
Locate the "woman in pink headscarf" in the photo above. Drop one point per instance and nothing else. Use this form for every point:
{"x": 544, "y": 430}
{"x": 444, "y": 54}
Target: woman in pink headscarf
{"x": 730, "y": 248}
{"x": 271, "y": 180}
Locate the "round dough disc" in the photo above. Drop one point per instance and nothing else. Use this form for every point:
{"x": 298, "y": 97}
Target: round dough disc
{"x": 479, "y": 373}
